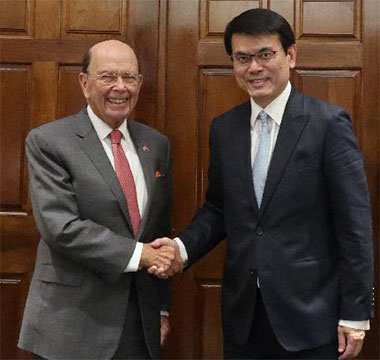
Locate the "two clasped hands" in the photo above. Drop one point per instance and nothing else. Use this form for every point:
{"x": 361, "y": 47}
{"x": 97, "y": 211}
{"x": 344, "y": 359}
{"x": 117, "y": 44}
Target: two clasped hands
{"x": 161, "y": 258}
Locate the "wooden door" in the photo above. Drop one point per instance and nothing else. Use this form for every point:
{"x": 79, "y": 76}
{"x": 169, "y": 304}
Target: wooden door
{"x": 338, "y": 60}
{"x": 187, "y": 81}
{"x": 42, "y": 44}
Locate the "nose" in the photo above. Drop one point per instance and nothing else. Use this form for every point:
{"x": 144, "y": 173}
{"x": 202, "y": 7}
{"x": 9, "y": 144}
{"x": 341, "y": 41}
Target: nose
{"x": 254, "y": 66}
{"x": 119, "y": 84}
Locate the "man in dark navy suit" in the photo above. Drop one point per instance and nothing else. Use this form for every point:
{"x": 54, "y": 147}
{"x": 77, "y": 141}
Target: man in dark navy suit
{"x": 288, "y": 190}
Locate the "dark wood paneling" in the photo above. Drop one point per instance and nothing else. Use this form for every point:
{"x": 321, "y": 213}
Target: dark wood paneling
{"x": 16, "y": 17}
{"x": 339, "y": 87}
{"x": 337, "y": 19}
{"x": 310, "y": 55}
{"x": 370, "y": 145}
{"x": 181, "y": 106}
{"x": 96, "y": 18}
{"x": 332, "y": 64}
{"x": 215, "y": 14}
{"x": 53, "y": 50}
{"x": 143, "y": 34}
{"x": 187, "y": 81}
{"x": 15, "y": 123}
{"x": 213, "y": 102}
{"x": 62, "y": 32}
{"x": 47, "y": 19}
{"x": 286, "y": 8}
{"x": 210, "y": 335}
{"x": 70, "y": 96}
{"x": 44, "y": 89}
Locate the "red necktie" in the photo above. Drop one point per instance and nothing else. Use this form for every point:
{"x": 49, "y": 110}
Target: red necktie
{"x": 125, "y": 176}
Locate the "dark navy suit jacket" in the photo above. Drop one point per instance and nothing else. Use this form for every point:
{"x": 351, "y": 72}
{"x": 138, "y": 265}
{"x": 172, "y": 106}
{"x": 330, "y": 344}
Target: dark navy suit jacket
{"x": 310, "y": 243}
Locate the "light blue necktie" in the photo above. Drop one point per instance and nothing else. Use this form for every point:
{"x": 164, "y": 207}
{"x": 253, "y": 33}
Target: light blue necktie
{"x": 261, "y": 163}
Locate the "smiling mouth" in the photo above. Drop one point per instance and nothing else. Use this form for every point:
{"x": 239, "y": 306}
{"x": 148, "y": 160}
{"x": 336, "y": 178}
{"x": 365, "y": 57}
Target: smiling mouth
{"x": 117, "y": 101}
{"x": 257, "y": 81}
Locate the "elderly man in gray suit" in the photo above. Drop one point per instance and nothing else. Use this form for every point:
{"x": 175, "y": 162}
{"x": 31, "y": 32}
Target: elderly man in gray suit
{"x": 100, "y": 186}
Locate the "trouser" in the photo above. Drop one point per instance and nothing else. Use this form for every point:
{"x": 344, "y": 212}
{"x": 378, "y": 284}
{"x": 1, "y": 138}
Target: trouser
{"x": 263, "y": 344}
{"x": 132, "y": 343}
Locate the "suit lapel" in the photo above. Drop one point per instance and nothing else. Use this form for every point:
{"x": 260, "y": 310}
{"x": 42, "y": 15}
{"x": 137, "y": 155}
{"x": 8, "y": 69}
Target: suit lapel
{"x": 145, "y": 157}
{"x": 240, "y": 128}
{"x": 90, "y": 143}
{"x": 292, "y": 126}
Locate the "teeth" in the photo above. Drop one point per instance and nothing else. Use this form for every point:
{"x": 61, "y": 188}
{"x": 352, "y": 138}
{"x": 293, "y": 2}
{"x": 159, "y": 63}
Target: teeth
{"x": 116, "y": 101}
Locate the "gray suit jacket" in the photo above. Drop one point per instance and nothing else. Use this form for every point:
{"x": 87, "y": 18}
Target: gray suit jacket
{"x": 79, "y": 293}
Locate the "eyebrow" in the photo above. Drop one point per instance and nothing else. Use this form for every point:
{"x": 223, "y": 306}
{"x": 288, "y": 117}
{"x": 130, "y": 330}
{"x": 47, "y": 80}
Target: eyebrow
{"x": 116, "y": 72}
{"x": 259, "y": 51}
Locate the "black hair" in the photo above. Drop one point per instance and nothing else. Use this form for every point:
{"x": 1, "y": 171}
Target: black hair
{"x": 259, "y": 22}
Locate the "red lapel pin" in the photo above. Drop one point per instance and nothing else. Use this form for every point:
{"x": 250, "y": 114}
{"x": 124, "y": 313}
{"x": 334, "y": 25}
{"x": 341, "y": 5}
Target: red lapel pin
{"x": 158, "y": 174}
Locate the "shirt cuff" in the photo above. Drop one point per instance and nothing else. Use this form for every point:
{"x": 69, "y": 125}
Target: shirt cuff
{"x": 164, "y": 313}
{"x": 358, "y": 325}
{"x": 134, "y": 262}
{"x": 182, "y": 250}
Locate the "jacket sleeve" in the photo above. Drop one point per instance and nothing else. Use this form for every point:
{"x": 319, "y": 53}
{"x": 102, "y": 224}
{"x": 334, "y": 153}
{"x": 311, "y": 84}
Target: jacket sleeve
{"x": 207, "y": 229}
{"x": 351, "y": 212}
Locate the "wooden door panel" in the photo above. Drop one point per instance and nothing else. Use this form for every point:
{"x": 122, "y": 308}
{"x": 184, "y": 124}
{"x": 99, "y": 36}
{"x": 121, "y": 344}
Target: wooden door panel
{"x": 332, "y": 64}
{"x": 95, "y": 18}
{"x": 339, "y": 87}
{"x": 70, "y": 96}
{"x": 218, "y": 92}
{"x": 15, "y": 123}
{"x": 187, "y": 81}
{"x": 41, "y": 48}
{"x": 16, "y": 18}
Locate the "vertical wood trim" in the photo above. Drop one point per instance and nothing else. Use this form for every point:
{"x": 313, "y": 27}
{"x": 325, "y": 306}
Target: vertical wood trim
{"x": 370, "y": 143}
{"x": 162, "y": 66}
{"x": 143, "y": 17}
{"x": 47, "y": 19}
{"x": 182, "y": 84}
{"x": 297, "y": 19}
{"x": 44, "y": 92}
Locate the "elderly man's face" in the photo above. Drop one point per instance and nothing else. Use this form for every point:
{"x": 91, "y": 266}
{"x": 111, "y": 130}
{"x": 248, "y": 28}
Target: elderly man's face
{"x": 112, "y": 84}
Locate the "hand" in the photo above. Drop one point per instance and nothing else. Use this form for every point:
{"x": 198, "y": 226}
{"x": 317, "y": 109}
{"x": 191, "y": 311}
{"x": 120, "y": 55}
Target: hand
{"x": 350, "y": 342}
{"x": 165, "y": 329}
{"x": 159, "y": 258}
{"x": 176, "y": 264}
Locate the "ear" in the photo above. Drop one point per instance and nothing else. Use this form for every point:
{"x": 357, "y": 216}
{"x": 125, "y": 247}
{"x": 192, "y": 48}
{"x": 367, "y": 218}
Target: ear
{"x": 83, "y": 82}
{"x": 292, "y": 53}
{"x": 140, "y": 83}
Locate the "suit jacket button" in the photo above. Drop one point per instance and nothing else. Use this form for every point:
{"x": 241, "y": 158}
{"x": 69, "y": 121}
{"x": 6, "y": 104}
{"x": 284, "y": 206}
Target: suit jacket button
{"x": 252, "y": 271}
{"x": 259, "y": 231}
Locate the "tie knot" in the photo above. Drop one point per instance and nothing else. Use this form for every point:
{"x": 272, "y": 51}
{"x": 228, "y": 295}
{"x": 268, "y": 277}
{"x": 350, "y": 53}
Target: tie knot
{"x": 263, "y": 117}
{"x": 115, "y": 136}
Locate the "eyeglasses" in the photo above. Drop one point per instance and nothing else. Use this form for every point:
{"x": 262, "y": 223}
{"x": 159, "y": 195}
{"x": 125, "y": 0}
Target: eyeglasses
{"x": 110, "y": 78}
{"x": 261, "y": 57}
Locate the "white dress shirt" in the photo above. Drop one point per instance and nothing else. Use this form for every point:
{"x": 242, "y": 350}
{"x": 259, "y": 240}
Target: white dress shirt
{"x": 275, "y": 111}
{"x": 103, "y": 131}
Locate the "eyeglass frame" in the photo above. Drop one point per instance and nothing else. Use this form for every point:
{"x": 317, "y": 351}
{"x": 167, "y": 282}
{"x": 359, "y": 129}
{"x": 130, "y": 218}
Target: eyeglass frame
{"x": 135, "y": 79}
{"x": 255, "y": 56}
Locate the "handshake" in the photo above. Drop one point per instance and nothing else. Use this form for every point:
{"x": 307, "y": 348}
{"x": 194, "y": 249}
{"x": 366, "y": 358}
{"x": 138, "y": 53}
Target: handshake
{"x": 161, "y": 258}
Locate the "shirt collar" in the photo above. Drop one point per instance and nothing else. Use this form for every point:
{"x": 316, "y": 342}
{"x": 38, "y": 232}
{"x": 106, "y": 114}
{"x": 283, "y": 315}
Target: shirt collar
{"x": 103, "y": 129}
{"x": 275, "y": 109}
